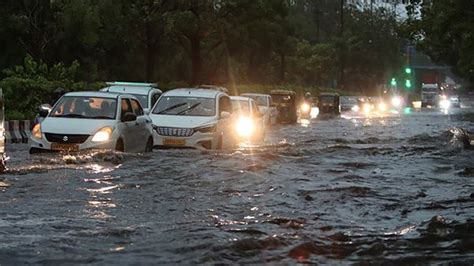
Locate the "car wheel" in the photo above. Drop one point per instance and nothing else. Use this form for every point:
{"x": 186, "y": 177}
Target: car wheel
{"x": 119, "y": 146}
{"x": 149, "y": 145}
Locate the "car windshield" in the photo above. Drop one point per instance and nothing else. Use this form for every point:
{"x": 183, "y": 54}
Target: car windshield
{"x": 85, "y": 107}
{"x": 326, "y": 98}
{"x": 261, "y": 100}
{"x": 348, "y": 100}
{"x": 429, "y": 89}
{"x": 190, "y": 106}
{"x": 143, "y": 99}
{"x": 240, "y": 107}
{"x": 280, "y": 98}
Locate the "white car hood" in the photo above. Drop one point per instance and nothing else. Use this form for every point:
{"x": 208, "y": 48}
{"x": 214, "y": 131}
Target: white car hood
{"x": 60, "y": 125}
{"x": 182, "y": 121}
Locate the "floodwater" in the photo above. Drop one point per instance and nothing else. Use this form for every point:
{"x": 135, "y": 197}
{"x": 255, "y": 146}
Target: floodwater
{"x": 351, "y": 190}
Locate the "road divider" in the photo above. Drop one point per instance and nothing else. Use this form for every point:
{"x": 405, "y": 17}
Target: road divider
{"x": 17, "y": 131}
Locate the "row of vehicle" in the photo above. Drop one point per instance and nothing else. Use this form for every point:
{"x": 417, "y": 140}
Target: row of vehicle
{"x": 135, "y": 117}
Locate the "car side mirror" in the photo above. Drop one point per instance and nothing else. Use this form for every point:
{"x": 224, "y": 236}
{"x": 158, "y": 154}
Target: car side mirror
{"x": 44, "y": 110}
{"x": 146, "y": 111}
{"x": 128, "y": 117}
{"x": 225, "y": 115}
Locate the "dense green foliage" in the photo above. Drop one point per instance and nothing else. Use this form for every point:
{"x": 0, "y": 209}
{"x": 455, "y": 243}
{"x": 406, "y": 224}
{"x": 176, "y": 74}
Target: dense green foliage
{"x": 443, "y": 29}
{"x": 312, "y": 43}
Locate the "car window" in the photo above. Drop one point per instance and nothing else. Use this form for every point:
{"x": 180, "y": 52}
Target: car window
{"x": 126, "y": 107}
{"x": 85, "y": 107}
{"x": 155, "y": 98}
{"x": 240, "y": 107}
{"x": 137, "y": 109}
{"x": 225, "y": 104}
{"x": 255, "y": 110}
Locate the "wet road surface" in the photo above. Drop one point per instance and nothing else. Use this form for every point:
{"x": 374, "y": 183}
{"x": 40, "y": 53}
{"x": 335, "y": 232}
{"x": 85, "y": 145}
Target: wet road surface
{"x": 395, "y": 189}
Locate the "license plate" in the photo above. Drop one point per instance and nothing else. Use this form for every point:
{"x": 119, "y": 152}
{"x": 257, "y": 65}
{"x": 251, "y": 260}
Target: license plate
{"x": 174, "y": 142}
{"x": 64, "y": 147}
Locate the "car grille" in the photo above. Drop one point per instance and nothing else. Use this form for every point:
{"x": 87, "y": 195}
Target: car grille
{"x": 66, "y": 138}
{"x": 175, "y": 131}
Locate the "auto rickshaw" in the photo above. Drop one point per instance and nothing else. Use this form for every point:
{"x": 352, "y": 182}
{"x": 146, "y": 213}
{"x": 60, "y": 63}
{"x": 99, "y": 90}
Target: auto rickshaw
{"x": 329, "y": 104}
{"x": 285, "y": 102}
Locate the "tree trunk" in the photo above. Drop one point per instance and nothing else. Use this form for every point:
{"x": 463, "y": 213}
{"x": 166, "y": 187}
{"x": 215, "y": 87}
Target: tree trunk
{"x": 150, "y": 54}
{"x": 196, "y": 59}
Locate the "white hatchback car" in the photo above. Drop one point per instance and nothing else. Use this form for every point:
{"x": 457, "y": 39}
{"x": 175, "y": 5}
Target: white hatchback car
{"x": 146, "y": 93}
{"x": 93, "y": 120}
{"x": 265, "y": 105}
{"x": 194, "y": 118}
{"x": 250, "y": 124}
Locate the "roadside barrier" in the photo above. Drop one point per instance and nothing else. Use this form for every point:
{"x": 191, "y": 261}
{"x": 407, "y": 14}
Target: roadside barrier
{"x": 17, "y": 131}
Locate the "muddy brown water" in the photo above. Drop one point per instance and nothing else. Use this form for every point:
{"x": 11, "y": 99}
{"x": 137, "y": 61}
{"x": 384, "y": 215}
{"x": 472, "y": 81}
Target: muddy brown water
{"x": 352, "y": 190}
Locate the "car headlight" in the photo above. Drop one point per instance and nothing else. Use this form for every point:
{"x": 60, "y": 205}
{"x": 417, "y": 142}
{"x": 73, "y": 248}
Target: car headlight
{"x": 382, "y": 107}
{"x": 245, "y": 127}
{"x": 102, "y": 135}
{"x": 206, "y": 129}
{"x": 367, "y": 108}
{"x": 355, "y": 108}
{"x": 396, "y": 101}
{"x": 305, "y": 108}
{"x": 36, "y": 131}
{"x": 444, "y": 104}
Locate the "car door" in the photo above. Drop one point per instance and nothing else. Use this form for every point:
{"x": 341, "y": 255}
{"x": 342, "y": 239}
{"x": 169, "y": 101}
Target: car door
{"x": 142, "y": 125}
{"x": 225, "y": 125}
{"x": 129, "y": 128}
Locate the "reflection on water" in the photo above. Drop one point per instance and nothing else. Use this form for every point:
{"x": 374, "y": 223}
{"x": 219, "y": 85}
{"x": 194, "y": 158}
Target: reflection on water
{"x": 392, "y": 189}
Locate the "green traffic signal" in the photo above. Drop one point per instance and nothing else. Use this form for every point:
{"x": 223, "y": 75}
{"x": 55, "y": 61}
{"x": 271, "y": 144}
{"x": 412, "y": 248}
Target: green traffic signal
{"x": 393, "y": 82}
{"x": 408, "y": 83}
{"x": 408, "y": 70}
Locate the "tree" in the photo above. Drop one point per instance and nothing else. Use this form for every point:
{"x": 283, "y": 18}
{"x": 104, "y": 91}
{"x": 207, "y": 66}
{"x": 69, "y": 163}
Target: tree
{"x": 445, "y": 32}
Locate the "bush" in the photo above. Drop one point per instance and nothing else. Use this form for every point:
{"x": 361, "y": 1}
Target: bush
{"x": 33, "y": 83}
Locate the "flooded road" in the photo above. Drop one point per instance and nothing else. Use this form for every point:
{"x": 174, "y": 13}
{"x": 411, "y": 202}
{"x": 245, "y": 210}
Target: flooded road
{"x": 348, "y": 190}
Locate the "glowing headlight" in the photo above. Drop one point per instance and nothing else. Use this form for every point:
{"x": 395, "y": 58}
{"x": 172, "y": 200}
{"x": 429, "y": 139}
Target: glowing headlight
{"x": 382, "y": 107}
{"x": 245, "y": 127}
{"x": 444, "y": 104}
{"x": 355, "y": 108}
{"x": 396, "y": 101}
{"x": 36, "y": 131}
{"x": 305, "y": 108}
{"x": 103, "y": 134}
{"x": 367, "y": 108}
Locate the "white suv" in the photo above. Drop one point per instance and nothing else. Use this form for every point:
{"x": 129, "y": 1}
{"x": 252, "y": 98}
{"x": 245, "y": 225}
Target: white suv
{"x": 93, "y": 120}
{"x": 146, "y": 93}
{"x": 267, "y": 108}
{"x": 194, "y": 118}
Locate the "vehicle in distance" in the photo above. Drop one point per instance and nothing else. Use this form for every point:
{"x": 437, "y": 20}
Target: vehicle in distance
{"x": 328, "y": 103}
{"x": 349, "y": 103}
{"x": 266, "y": 107}
{"x": 429, "y": 95}
{"x": 146, "y": 93}
{"x": 93, "y": 120}
{"x": 194, "y": 118}
{"x": 285, "y": 102}
{"x": 250, "y": 125}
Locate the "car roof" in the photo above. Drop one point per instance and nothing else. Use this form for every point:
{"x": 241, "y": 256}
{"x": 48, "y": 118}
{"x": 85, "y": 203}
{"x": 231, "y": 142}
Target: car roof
{"x": 284, "y": 92}
{"x": 193, "y": 92}
{"x": 130, "y": 89}
{"x": 240, "y": 98}
{"x": 99, "y": 94}
{"x": 213, "y": 87}
{"x": 255, "y": 94}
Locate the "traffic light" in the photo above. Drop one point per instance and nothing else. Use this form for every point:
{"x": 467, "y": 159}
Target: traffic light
{"x": 393, "y": 82}
{"x": 408, "y": 83}
{"x": 408, "y": 70}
